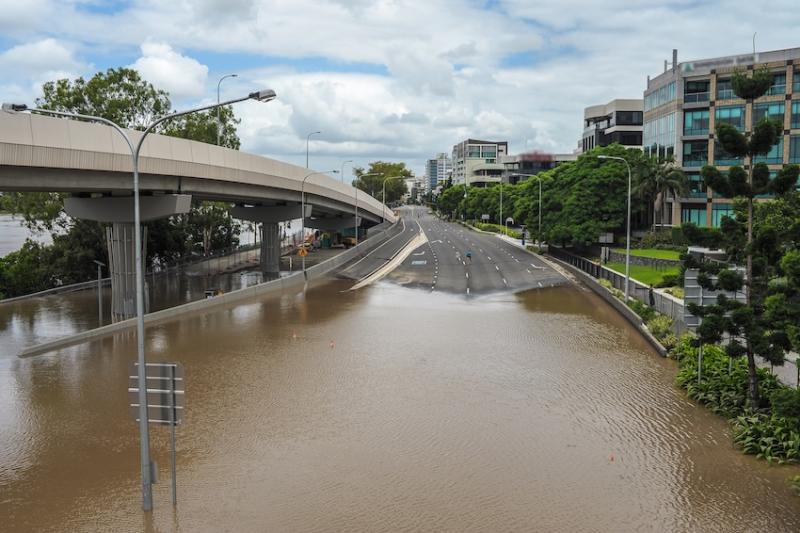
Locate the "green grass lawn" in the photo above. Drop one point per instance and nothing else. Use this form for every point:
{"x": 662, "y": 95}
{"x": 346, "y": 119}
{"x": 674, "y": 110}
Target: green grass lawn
{"x": 653, "y": 253}
{"x": 644, "y": 274}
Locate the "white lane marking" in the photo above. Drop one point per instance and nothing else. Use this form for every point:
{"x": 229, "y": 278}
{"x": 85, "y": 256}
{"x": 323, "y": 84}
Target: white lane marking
{"x": 517, "y": 260}
{"x": 467, "y": 290}
{"x": 540, "y": 284}
{"x": 489, "y": 258}
{"x": 505, "y": 282}
{"x": 497, "y": 268}
{"x": 466, "y": 274}
{"x": 528, "y": 270}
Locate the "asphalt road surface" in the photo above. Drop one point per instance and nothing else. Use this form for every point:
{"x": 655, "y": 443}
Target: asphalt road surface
{"x": 381, "y": 255}
{"x": 442, "y": 263}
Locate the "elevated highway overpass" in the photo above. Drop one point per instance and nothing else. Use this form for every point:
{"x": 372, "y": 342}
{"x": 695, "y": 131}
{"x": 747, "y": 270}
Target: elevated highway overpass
{"x": 93, "y": 164}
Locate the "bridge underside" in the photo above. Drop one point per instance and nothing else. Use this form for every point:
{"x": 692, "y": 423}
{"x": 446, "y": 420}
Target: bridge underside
{"x": 86, "y": 183}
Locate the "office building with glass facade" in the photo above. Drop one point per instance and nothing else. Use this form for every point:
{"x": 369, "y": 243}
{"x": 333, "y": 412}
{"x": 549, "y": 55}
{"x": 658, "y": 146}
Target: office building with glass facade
{"x": 438, "y": 171}
{"x": 683, "y": 105}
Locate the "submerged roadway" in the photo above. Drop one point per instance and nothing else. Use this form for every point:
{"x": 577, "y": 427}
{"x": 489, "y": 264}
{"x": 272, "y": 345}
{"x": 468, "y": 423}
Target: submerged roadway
{"x": 443, "y": 264}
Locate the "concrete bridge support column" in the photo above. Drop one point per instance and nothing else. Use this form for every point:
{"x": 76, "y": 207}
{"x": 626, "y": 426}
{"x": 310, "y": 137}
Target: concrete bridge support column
{"x": 118, "y": 210}
{"x": 270, "y": 250}
{"x": 269, "y": 216}
{"x": 122, "y": 269}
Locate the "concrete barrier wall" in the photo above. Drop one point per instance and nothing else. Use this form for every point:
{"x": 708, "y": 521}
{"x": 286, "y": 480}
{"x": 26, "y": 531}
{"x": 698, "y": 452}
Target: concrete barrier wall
{"x": 294, "y": 281}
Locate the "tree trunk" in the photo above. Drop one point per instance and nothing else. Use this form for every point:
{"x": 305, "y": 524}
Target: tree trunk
{"x": 751, "y": 359}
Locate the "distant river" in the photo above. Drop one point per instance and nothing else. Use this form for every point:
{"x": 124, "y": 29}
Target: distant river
{"x": 13, "y": 235}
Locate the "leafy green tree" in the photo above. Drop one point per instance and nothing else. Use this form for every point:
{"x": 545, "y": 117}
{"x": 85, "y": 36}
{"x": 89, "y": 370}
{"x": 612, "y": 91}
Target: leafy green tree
{"x": 119, "y": 95}
{"x": 752, "y": 330}
{"x": 203, "y": 127}
{"x": 449, "y": 202}
{"x": 395, "y": 188}
{"x": 27, "y": 270}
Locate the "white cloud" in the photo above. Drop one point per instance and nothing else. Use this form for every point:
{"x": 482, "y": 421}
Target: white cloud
{"x": 435, "y": 70}
{"x": 181, "y": 76}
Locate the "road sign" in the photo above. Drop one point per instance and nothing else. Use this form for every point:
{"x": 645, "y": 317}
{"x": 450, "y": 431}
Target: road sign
{"x": 164, "y": 387}
{"x": 303, "y": 252}
{"x": 165, "y": 393}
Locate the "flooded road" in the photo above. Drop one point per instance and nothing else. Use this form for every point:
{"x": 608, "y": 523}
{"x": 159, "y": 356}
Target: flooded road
{"x": 385, "y": 409}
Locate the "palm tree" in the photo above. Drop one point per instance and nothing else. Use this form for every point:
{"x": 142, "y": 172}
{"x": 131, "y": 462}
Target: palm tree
{"x": 658, "y": 178}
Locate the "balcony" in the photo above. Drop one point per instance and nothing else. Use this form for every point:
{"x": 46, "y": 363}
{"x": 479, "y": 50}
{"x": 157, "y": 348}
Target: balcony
{"x": 727, "y": 162}
{"x": 725, "y": 94}
{"x": 776, "y": 90}
{"x": 688, "y": 132}
{"x": 695, "y": 98}
{"x": 695, "y": 161}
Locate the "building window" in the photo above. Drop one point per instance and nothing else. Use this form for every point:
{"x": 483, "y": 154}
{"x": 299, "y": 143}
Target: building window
{"x": 725, "y": 90}
{"x": 796, "y": 84}
{"x": 660, "y": 96}
{"x": 720, "y": 211}
{"x": 733, "y": 115}
{"x": 695, "y": 153}
{"x": 627, "y": 118}
{"x": 771, "y": 110}
{"x": 696, "y": 91}
{"x": 697, "y": 187}
{"x": 473, "y": 151}
{"x": 778, "y": 84}
{"x": 775, "y": 155}
{"x": 796, "y": 114}
{"x": 794, "y": 149}
{"x": 695, "y": 215}
{"x": 723, "y": 158}
{"x": 659, "y": 136}
{"x": 695, "y": 122}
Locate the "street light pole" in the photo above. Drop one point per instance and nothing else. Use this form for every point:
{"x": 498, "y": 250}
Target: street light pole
{"x": 308, "y": 137}
{"x": 99, "y": 291}
{"x": 303, "y": 211}
{"x": 501, "y": 201}
{"x": 383, "y": 196}
{"x": 144, "y": 432}
{"x": 219, "y": 120}
{"x": 540, "y": 213}
{"x": 343, "y": 164}
{"x": 628, "y": 238}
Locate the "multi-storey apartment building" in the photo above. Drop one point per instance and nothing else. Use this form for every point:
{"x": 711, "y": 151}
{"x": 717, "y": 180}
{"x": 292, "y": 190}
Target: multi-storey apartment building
{"x": 438, "y": 171}
{"x": 618, "y": 121}
{"x": 683, "y": 105}
{"x": 478, "y": 162}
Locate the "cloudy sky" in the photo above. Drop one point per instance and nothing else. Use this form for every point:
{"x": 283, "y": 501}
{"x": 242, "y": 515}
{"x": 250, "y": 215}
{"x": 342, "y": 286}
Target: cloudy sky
{"x": 385, "y": 79}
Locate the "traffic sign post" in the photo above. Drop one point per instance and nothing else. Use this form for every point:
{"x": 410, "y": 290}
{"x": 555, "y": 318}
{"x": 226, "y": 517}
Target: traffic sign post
{"x": 165, "y": 401}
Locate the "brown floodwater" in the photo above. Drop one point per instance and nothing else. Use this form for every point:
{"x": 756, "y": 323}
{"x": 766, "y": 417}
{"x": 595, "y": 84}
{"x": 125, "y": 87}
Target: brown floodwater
{"x": 386, "y": 409}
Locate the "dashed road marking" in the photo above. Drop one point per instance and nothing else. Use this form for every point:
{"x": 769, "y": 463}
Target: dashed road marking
{"x": 497, "y": 268}
{"x": 505, "y": 282}
{"x": 540, "y": 284}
